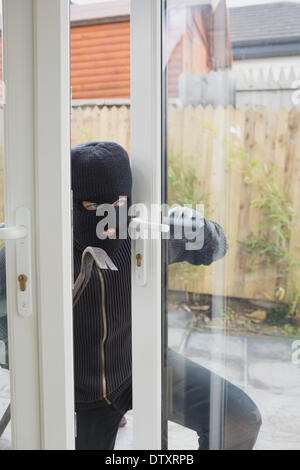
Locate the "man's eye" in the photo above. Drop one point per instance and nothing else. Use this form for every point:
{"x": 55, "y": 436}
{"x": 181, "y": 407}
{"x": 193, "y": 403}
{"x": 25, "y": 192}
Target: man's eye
{"x": 91, "y": 207}
{"x": 120, "y": 202}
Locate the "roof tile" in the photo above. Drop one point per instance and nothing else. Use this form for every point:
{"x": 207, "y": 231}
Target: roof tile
{"x": 267, "y": 21}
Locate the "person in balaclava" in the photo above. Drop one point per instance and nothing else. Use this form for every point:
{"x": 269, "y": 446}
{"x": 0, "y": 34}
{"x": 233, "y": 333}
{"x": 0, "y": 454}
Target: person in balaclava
{"x": 101, "y": 174}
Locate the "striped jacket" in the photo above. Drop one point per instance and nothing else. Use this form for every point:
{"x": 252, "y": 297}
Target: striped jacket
{"x": 102, "y": 318}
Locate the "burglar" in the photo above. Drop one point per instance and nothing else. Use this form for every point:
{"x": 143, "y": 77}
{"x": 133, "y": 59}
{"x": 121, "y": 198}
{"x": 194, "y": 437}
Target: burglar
{"x": 102, "y": 320}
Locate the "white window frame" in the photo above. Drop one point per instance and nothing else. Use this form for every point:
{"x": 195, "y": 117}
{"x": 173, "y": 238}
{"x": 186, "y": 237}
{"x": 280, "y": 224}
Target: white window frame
{"x": 148, "y": 118}
{"x": 146, "y": 151}
{"x": 37, "y": 176}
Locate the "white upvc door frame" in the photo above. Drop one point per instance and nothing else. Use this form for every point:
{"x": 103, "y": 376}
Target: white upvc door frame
{"x": 53, "y": 205}
{"x": 146, "y": 151}
{"x": 19, "y": 192}
{"x": 37, "y": 176}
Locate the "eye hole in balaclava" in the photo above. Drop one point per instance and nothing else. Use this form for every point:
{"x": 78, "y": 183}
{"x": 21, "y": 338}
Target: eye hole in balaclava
{"x": 101, "y": 174}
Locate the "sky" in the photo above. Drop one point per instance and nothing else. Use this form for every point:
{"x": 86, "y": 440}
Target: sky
{"x": 230, "y": 3}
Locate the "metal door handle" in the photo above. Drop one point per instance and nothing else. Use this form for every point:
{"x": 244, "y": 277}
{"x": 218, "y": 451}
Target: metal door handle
{"x": 12, "y": 233}
{"x": 144, "y": 224}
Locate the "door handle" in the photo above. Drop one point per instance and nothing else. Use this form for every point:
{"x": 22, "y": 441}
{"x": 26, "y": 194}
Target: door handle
{"x": 12, "y": 233}
{"x": 21, "y": 233}
{"x": 144, "y": 224}
{"x": 140, "y": 247}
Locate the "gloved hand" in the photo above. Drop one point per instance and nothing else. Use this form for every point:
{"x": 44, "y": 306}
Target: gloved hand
{"x": 187, "y": 224}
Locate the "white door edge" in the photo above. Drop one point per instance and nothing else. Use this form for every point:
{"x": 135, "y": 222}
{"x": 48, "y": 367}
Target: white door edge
{"x": 53, "y": 208}
{"x": 37, "y": 176}
{"x": 146, "y": 148}
{"x": 19, "y": 192}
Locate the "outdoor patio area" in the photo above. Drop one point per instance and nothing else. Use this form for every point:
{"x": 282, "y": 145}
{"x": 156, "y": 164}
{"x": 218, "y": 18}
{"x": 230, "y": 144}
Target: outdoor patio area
{"x": 262, "y": 366}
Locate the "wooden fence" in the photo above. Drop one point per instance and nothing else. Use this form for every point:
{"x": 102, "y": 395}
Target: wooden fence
{"x": 101, "y": 123}
{"x": 199, "y": 138}
{"x": 271, "y": 87}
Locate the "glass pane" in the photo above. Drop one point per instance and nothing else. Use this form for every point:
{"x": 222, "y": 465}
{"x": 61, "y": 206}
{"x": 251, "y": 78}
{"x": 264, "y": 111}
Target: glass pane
{"x": 232, "y": 137}
{"x": 100, "y": 79}
{"x": 5, "y": 433}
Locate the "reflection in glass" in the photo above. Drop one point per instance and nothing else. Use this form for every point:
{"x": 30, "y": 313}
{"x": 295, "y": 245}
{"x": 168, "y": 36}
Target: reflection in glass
{"x": 232, "y": 142}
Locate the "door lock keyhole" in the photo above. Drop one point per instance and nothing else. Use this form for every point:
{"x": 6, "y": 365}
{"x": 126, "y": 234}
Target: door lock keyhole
{"x": 139, "y": 259}
{"x": 22, "y": 281}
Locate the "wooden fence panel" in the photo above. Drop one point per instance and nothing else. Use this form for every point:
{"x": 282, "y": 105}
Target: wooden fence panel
{"x": 202, "y": 138}
{"x": 292, "y": 175}
{"x": 103, "y": 124}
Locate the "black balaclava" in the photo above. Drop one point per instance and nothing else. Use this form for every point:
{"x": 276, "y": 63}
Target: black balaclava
{"x": 100, "y": 174}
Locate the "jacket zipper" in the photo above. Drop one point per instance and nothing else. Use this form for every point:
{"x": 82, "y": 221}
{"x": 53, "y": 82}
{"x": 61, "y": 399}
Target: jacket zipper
{"x": 104, "y": 337}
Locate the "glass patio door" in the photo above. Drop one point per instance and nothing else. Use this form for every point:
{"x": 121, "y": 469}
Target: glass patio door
{"x": 36, "y": 301}
{"x": 215, "y": 123}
